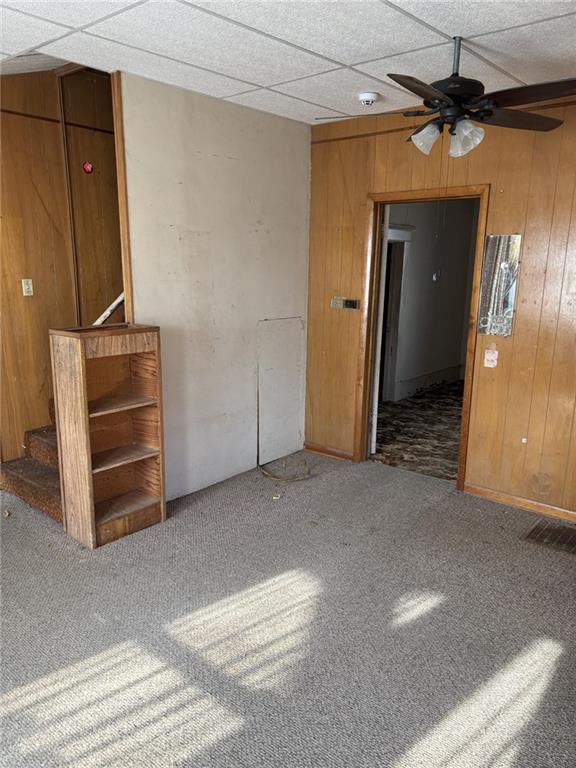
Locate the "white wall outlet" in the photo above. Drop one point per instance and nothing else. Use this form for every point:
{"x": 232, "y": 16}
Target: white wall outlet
{"x": 27, "y": 287}
{"x": 490, "y": 358}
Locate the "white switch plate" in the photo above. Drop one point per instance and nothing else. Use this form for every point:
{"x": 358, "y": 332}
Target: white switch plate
{"x": 27, "y": 287}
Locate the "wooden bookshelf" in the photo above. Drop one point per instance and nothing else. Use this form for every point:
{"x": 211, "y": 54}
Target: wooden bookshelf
{"x": 108, "y": 402}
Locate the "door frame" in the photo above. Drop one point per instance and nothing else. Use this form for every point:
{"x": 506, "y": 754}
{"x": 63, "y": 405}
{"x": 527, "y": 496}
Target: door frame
{"x": 121, "y": 177}
{"x": 400, "y": 240}
{"x": 367, "y": 345}
{"x": 395, "y": 237}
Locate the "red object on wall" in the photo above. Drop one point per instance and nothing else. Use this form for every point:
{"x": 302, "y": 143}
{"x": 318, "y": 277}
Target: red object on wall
{"x": 87, "y": 167}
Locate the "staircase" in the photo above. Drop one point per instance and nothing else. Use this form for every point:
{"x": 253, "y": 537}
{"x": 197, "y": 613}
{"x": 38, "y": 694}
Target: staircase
{"x": 35, "y": 477}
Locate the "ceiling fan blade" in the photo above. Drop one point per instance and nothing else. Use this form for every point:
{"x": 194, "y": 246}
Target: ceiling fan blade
{"x": 420, "y": 88}
{"x": 528, "y": 94}
{"x": 512, "y": 118}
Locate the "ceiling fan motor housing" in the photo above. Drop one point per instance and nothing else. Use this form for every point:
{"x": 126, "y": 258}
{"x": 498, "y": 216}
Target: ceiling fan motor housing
{"x": 459, "y": 89}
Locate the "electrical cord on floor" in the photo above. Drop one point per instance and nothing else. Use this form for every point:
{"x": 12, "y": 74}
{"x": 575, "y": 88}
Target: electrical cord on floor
{"x": 290, "y": 479}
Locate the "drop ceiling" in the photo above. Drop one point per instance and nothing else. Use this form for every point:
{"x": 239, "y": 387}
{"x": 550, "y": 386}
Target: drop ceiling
{"x": 295, "y": 58}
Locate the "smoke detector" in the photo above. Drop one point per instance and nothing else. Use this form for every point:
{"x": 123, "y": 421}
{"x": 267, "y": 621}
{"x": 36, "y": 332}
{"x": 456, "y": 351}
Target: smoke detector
{"x": 368, "y": 99}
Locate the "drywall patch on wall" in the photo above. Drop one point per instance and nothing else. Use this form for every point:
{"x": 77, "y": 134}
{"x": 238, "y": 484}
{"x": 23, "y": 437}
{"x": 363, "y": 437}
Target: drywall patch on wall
{"x": 280, "y": 387}
{"x": 218, "y": 206}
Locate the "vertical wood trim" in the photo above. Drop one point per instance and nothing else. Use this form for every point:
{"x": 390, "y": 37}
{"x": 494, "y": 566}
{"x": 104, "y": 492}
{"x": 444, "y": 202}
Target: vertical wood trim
{"x": 160, "y": 399}
{"x": 366, "y": 350}
{"x": 73, "y": 256}
{"x": 69, "y": 371}
{"x": 472, "y": 337}
{"x": 116, "y": 81}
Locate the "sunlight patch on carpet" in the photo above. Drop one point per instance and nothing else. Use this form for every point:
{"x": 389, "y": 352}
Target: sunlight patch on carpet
{"x": 257, "y": 636}
{"x": 123, "y": 707}
{"x": 414, "y": 605}
{"x": 486, "y": 729}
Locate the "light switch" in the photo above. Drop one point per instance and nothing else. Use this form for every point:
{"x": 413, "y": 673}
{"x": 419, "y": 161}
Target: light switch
{"x": 27, "y": 287}
{"x": 339, "y": 302}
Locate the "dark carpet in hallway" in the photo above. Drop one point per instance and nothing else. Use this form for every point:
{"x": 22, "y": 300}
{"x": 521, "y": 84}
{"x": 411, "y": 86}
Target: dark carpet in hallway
{"x": 422, "y": 433}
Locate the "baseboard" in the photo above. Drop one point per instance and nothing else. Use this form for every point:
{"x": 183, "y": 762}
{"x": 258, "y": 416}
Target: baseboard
{"x": 408, "y": 387}
{"x": 522, "y": 503}
{"x": 331, "y": 452}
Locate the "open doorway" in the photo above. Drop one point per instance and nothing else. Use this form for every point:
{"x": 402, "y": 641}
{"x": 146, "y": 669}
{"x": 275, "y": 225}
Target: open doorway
{"x": 421, "y": 334}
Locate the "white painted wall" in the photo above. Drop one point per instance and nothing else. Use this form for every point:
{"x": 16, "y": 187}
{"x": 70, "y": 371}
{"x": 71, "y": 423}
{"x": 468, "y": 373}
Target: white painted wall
{"x": 434, "y": 314}
{"x": 218, "y": 205}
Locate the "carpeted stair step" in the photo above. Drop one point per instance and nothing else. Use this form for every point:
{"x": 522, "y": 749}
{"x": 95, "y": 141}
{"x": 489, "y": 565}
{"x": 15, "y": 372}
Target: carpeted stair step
{"x": 36, "y": 483}
{"x": 42, "y": 444}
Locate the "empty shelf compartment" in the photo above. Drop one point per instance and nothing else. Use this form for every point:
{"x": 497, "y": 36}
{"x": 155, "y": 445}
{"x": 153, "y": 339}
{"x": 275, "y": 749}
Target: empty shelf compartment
{"x": 125, "y": 454}
{"x": 125, "y": 514}
{"x": 126, "y": 504}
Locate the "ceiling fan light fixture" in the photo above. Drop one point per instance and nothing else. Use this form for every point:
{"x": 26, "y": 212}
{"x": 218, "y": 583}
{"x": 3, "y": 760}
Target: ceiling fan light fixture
{"x": 465, "y": 138}
{"x": 425, "y": 139}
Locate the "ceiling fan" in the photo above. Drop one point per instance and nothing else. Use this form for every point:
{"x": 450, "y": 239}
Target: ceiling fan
{"x": 461, "y": 104}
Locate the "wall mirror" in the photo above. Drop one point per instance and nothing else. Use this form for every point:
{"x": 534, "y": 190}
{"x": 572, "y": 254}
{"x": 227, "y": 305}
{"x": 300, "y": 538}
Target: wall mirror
{"x": 498, "y": 284}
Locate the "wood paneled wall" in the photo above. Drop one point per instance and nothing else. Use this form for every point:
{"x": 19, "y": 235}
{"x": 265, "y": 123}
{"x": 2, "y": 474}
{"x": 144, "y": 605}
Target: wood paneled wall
{"x": 73, "y": 261}
{"x": 522, "y": 438}
{"x": 35, "y": 244}
{"x": 87, "y": 107}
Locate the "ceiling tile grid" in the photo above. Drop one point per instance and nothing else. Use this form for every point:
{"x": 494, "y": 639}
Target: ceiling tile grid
{"x": 436, "y": 63}
{"x": 297, "y": 58}
{"x": 19, "y": 33}
{"x": 343, "y": 31}
{"x": 109, "y": 56}
{"x": 279, "y": 104}
{"x": 339, "y": 90}
{"x": 535, "y": 52}
{"x": 455, "y": 17}
{"x": 196, "y": 37}
{"x": 71, "y": 13}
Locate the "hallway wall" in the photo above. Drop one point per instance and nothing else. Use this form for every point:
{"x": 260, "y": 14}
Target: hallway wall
{"x": 434, "y": 312}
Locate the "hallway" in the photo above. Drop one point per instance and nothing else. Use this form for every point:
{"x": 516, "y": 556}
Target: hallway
{"x": 422, "y": 433}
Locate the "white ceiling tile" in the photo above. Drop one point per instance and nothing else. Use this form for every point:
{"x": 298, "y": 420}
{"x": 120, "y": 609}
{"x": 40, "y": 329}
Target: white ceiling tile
{"x": 19, "y": 32}
{"x": 339, "y": 90}
{"x": 74, "y": 13}
{"x": 196, "y": 37}
{"x": 83, "y": 48}
{"x": 278, "y": 104}
{"x": 545, "y": 51}
{"x": 33, "y": 62}
{"x": 435, "y": 64}
{"x": 455, "y": 17}
{"x": 344, "y": 31}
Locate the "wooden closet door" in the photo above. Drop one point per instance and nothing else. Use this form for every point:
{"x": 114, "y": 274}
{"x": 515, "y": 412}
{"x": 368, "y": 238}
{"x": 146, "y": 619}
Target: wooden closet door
{"x": 35, "y": 243}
